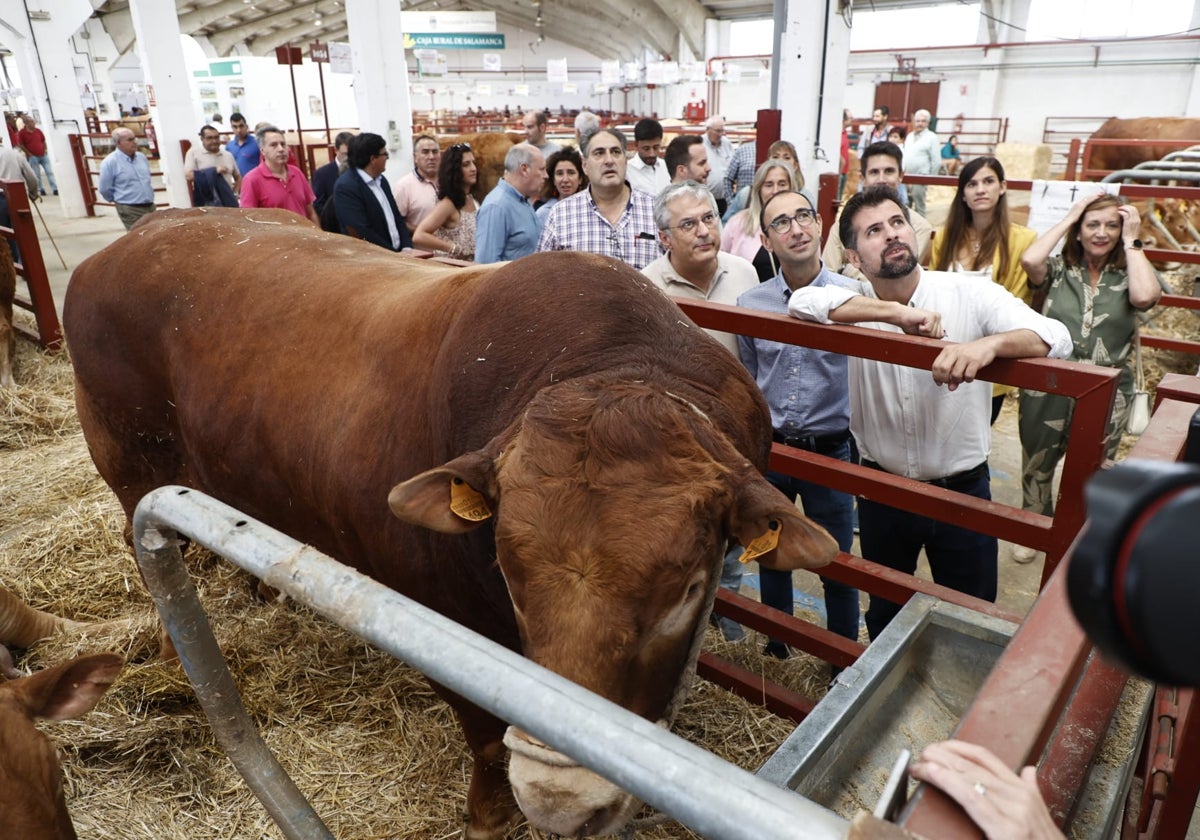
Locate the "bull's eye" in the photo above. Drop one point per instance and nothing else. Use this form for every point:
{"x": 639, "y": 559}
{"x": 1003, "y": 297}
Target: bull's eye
{"x": 457, "y": 480}
{"x": 773, "y": 524}
{"x": 693, "y": 592}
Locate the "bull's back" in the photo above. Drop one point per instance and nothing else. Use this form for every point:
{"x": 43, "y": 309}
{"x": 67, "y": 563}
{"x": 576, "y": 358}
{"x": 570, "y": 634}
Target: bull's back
{"x": 247, "y": 354}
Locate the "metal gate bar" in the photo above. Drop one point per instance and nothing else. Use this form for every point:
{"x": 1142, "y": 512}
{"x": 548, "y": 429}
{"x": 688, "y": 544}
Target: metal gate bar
{"x": 685, "y": 781}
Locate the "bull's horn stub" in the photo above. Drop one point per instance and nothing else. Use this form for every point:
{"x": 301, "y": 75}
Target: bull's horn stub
{"x": 763, "y": 543}
{"x": 467, "y": 502}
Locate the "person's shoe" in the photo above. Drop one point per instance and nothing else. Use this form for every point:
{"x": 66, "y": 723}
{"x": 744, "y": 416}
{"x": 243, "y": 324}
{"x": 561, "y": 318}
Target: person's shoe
{"x": 43, "y": 192}
{"x": 1023, "y": 554}
{"x": 731, "y": 631}
{"x": 776, "y": 649}
{"x": 56, "y": 192}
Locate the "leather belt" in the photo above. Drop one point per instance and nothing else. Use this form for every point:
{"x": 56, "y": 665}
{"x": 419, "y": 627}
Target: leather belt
{"x": 813, "y": 443}
{"x": 950, "y": 482}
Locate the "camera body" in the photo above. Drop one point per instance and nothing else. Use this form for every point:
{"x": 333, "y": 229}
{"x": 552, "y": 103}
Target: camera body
{"x": 1134, "y": 577}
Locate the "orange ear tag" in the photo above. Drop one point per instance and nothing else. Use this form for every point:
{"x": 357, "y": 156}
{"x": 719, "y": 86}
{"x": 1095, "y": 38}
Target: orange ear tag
{"x": 763, "y": 543}
{"x": 468, "y": 502}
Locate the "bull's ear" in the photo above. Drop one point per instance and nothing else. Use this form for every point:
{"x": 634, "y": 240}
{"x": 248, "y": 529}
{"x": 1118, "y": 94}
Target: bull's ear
{"x": 775, "y": 533}
{"x": 453, "y": 498}
{"x": 71, "y": 689}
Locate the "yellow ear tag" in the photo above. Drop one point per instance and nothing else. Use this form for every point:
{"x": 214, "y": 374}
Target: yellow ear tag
{"x": 468, "y": 502}
{"x": 763, "y": 543}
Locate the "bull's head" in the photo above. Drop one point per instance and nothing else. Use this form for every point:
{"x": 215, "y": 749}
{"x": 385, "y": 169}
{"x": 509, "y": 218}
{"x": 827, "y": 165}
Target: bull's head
{"x": 613, "y": 512}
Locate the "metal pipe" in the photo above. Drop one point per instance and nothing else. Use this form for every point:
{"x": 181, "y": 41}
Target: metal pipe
{"x": 1152, "y": 175}
{"x": 687, "y": 782}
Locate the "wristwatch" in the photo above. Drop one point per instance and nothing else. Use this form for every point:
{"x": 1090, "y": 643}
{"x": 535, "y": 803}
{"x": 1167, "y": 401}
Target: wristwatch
{"x": 1136, "y": 245}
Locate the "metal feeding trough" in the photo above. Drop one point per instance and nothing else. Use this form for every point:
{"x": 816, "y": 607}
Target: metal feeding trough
{"x": 909, "y": 689}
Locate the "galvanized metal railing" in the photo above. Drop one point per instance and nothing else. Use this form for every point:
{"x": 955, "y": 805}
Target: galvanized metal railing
{"x": 711, "y": 796}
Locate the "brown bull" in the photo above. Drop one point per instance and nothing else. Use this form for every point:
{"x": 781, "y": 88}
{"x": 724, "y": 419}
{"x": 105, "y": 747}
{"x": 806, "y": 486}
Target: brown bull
{"x": 489, "y": 149}
{"x": 32, "y": 803}
{"x": 546, "y": 451}
{"x": 1142, "y": 128}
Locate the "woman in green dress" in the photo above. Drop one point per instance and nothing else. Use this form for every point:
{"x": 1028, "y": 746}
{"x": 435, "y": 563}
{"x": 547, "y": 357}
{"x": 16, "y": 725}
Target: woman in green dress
{"x": 1095, "y": 287}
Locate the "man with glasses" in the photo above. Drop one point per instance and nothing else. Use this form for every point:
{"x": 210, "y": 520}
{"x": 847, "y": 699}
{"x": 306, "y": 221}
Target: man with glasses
{"x": 506, "y": 228}
{"x": 694, "y": 265}
{"x": 275, "y": 182}
{"x": 809, "y": 396}
{"x": 609, "y": 218}
{"x": 243, "y": 145}
{"x": 362, "y": 197}
{"x": 417, "y": 192}
{"x": 210, "y": 155}
{"x": 904, "y": 420}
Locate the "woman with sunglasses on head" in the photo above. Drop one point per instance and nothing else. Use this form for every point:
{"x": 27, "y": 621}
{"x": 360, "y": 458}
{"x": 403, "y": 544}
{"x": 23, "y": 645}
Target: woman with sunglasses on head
{"x": 1096, "y": 287}
{"x": 979, "y": 240}
{"x": 449, "y": 229}
{"x": 565, "y": 170}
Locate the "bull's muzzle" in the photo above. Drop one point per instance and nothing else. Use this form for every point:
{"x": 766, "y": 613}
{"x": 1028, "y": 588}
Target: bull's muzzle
{"x": 558, "y": 795}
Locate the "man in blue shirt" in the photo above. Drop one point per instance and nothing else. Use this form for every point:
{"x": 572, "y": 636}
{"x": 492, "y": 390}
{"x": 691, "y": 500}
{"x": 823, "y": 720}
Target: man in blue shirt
{"x": 125, "y": 179}
{"x": 809, "y": 396}
{"x": 506, "y": 227}
{"x": 243, "y": 146}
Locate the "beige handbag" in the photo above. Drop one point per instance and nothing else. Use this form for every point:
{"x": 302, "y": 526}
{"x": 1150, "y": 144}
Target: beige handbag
{"x": 1139, "y": 406}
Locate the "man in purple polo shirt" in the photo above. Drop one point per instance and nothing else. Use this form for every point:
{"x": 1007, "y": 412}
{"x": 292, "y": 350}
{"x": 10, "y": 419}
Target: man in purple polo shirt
{"x": 275, "y": 182}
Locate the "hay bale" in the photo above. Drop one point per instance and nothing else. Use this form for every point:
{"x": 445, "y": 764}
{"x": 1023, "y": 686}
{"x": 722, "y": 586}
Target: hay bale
{"x": 1024, "y": 161}
{"x": 364, "y": 737}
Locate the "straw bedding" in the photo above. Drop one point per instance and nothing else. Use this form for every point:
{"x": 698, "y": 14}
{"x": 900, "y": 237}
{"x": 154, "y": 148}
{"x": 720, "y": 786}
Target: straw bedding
{"x": 366, "y": 740}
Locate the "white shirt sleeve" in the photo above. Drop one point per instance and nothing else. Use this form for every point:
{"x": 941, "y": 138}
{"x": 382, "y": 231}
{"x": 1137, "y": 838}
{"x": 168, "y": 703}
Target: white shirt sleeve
{"x": 1003, "y": 312}
{"x": 814, "y": 303}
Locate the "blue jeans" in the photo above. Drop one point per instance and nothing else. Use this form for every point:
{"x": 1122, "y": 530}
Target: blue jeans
{"x": 44, "y": 163}
{"x": 959, "y": 558}
{"x": 834, "y": 511}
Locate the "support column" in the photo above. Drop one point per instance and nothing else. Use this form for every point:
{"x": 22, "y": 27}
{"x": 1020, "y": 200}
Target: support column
{"x": 381, "y": 78}
{"x": 812, "y": 60}
{"x": 156, "y": 27}
{"x": 1193, "y": 100}
{"x": 43, "y": 52}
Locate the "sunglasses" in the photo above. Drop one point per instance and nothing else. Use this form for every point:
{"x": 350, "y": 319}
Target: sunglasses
{"x": 461, "y": 147}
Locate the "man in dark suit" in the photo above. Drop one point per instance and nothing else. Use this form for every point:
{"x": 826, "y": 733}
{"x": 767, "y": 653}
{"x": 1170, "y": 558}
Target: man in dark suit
{"x": 326, "y": 176}
{"x": 363, "y": 199}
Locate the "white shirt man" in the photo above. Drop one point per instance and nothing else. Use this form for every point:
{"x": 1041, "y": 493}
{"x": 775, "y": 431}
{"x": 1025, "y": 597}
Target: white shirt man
{"x": 922, "y": 156}
{"x": 905, "y": 422}
{"x": 694, "y": 266}
{"x": 647, "y": 171}
{"x": 720, "y": 153}
{"x": 881, "y": 166}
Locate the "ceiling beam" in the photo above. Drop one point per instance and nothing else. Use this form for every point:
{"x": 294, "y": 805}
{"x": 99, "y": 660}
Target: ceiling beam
{"x": 206, "y": 15}
{"x": 583, "y": 35}
{"x": 689, "y": 16}
{"x": 223, "y": 40}
{"x": 119, "y": 26}
{"x": 266, "y": 43}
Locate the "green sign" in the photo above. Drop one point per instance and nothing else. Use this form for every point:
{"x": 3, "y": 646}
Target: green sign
{"x": 225, "y": 68}
{"x": 454, "y": 40}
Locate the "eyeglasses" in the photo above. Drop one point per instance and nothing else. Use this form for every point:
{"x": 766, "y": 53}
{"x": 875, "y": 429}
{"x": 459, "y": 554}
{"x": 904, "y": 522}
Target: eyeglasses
{"x": 688, "y": 225}
{"x": 782, "y": 224}
{"x": 461, "y": 147}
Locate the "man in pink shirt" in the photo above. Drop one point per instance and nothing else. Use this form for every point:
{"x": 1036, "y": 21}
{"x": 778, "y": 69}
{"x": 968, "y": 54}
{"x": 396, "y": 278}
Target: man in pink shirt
{"x": 275, "y": 182}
